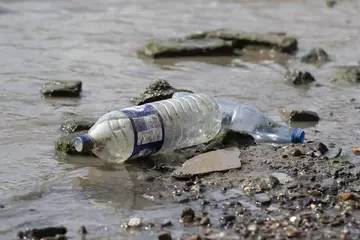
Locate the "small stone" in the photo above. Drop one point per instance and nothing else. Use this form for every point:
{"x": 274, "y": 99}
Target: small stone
{"x": 292, "y": 231}
{"x": 262, "y": 198}
{"x": 2, "y": 206}
{"x": 328, "y": 184}
{"x": 187, "y": 215}
{"x": 164, "y": 236}
{"x": 166, "y": 224}
{"x": 135, "y": 222}
{"x": 227, "y": 220}
{"x": 315, "y": 193}
{"x": 205, "y": 221}
{"x": 62, "y": 88}
{"x": 252, "y": 227}
{"x": 316, "y": 56}
{"x": 293, "y": 219}
{"x": 345, "y": 196}
{"x": 330, "y": 3}
{"x": 146, "y": 178}
{"x": 83, "y": 230}
{"x": 39, "y": 233}
{"x": 195, "y": 237}
{"x": 297, "y": 77}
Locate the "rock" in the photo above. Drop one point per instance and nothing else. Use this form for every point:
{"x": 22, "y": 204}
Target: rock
{"x": 214, "y": 161}
{"x": 262, "y": 198}
{"x": 283, "y": 178}
{"x": 62, "y": 88}
{"x": 186, "y": 48}
{"x": 158, "y": 89}
{"x": 235, "y": 138}
{"x": 299, "y": 115}
{"x": 292, "y": 231}
{"x": 345, "y": 196}
{"x": 298, "y": 77}
{"x": 259, "y": 184}
{"x": 2, "y": 206}
{"x": 166, "y": 224}
{"x": 347, "y": 74}
{"x": 316, "y": 56}
{"x": 164, "y": 236}
{"x": 293, "y": 151}
{"x": 330, "y": 3}
{"x": 76, "y": 124}
{"x": 39, "y": 233}
{"x": 329, "y": 186}
{"x": 277, "y": 41}
{"x": 83, "y": 230}
{"x": 65, "y": 143}
{"x": 187, "y": 215}
{"x": 134, "y": 222}
{"x": 195, "y": 237}
{"x": 318, "y": 146}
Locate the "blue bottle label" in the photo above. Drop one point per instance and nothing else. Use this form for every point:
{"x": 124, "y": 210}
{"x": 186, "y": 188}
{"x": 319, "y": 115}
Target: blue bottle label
{"x": 148, "y": 129}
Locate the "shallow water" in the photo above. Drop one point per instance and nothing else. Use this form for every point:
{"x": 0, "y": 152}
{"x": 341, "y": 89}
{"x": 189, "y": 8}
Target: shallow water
{"x": 95, "y": 41}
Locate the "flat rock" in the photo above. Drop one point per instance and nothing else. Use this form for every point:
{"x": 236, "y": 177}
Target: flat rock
{"x": 186, "y": 48}
{"x": 299, "y": 115}
{"x": 214, "y": 161}
{"x": 297, "y": 77}
{"x": 283, "y": 178}
{"x": 158, "y": 89}
{"x": 62, "y": 88}
{"x": 272, "y": 40}
{"x": 347, "y": 74}
{"x": 316, "y": 56}
{"x": 262, "y": 198}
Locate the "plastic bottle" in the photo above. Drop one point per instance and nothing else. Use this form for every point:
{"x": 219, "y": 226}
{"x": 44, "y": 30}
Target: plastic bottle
{"x": 240, "y": 117}
{"x": 146, "y": 129}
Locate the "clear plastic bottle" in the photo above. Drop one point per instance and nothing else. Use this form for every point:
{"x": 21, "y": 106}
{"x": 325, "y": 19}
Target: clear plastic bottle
{"x": 146, "y": 129}
{"x": 240, "y": 117}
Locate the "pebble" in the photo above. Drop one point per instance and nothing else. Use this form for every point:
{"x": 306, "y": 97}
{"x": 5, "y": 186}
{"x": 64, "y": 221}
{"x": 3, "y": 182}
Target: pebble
{"x": 166, "y": 224}
{"x": 164, "y": 236}
{"x": 2, "y": 206}
{"x": 262, "y": 198}
{"x": 187, "y": 215}
{"x": 345, "y": 196}
{"x": 227, "y": 220}
{"x": 83, "y": 230}
{"x": 252, "y": 227}
{"x": 135, "y": 222}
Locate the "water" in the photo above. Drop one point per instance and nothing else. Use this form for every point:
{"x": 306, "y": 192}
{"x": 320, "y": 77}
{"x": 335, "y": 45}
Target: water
{"x": 94, "y": 41}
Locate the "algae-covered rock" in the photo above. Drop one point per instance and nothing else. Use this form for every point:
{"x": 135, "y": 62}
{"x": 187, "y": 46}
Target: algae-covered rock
{"x": 158, "y": 90}
{"x": 62, "y": 88}
{"x": 277, "y": 41}
{"x": 349, "y": 74}
{"x": 297, "y": 77}
{"x": 316, "y": 56}
{"x": 186, "y": 48}
{"x": 76, "y": 124}
{"x": 65, "y": 143}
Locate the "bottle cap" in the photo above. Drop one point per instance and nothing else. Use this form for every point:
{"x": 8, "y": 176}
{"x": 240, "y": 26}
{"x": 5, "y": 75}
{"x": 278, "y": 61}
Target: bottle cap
{"x": 298, "y": 135}
{"x": 83, "y": 143}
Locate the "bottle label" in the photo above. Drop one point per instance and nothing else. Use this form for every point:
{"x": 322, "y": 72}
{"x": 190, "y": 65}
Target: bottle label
{"x": 148, "y": 129}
